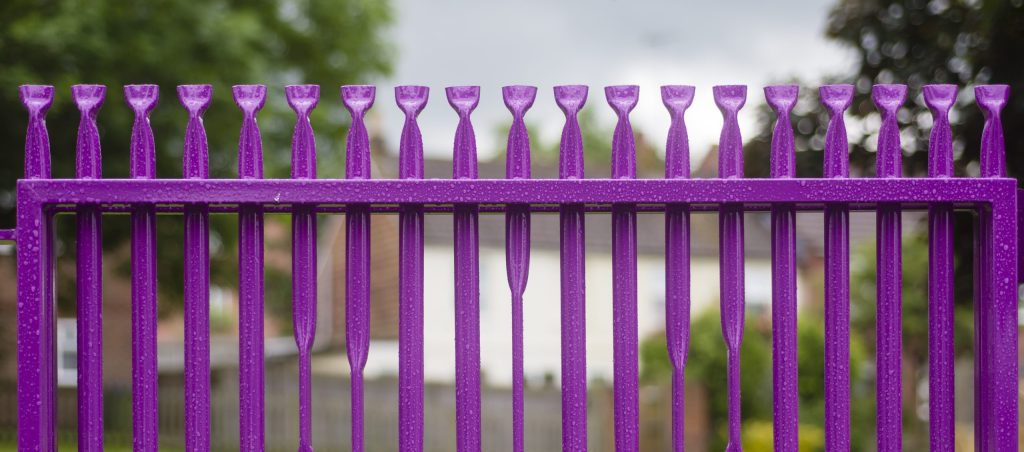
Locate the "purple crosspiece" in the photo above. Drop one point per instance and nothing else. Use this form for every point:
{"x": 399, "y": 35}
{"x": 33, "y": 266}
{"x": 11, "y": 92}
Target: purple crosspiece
{"x": 303, "y": 99}
{"x": 196, "y": 99}
{"x": 677, "y": 254}
{"x": 571, "y": 99}
{"x": 518, "y": 99}
{"x": 730, "y": 100}
{"x": 411, "y": 100}
{"x": 357, "y": 99}
{"x": 836, "y": 99}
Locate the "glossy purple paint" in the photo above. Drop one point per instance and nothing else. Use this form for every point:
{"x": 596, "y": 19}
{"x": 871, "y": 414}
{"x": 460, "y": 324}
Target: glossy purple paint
{"x": 252, "y": 425}
{"x": 357, "y": 99}
{"x": 888, "y": 328}
{"x": 730, "y": 100}
{"x": 996, "y": 338}
{"x": 572, "y": 243}
{"x": 518, "y": 99}
{"x": 993, "y": 196}
{"x": 89, "y": 264}
{"x": 785, "y": 397}
{"x": 941, "y": 390}
{"x": 196, "y": 99}
{"x": 411, "y": 100}
{"x": 142, "y": 99}
{"x": 303, "y": 99}
{"x": 464, "y": 99}
{"x": 626, "y": 383}
{"x": 836, "y": 99}
{"x": 677, "y": 254}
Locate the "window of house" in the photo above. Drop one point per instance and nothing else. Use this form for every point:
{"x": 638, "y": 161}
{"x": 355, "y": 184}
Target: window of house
{"x": 67, "y": 352}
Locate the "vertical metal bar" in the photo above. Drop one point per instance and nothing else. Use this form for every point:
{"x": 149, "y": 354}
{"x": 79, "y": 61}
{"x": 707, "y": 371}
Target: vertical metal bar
{"x": 837, "y": 98}
{"x": 677, "y": 255}
{"x": 357, "y": 99}
{"x": 89, "y": 99}
{"x": 196, "y": 99}
{"x": 941, "y": 386}
{"x": 889, "y": 340}
{"x": 411, "y": 99}
{"x": 785, "y": 398}
{"x": 626, "y": 383}
{"x": 142, "y": 99}
{"x": 464, "y": 100}
{"x": 303, "y": 99}
{"x": 518, "y": 99}
{"x": 251, "y": 423}
{"x": 571, "y": 99}
{"x": 995, "y": 297}
{"x": 730, "y": 100}
{"x": 37, "y": 380}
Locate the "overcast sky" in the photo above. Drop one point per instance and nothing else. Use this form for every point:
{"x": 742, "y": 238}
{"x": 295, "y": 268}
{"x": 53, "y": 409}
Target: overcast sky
{"x": 597, "y": 43}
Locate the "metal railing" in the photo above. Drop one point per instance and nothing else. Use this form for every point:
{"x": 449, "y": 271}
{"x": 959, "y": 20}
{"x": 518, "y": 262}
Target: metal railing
{"x": 992, "y": 196}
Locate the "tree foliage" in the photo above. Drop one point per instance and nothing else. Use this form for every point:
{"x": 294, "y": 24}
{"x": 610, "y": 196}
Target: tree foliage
{"x": 172, "y": 42}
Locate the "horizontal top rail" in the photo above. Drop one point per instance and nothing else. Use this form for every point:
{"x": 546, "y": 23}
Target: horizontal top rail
{"x": 524, "y": 191}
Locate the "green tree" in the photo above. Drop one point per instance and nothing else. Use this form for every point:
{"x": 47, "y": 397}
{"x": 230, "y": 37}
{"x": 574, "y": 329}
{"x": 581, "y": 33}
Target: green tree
{"x": 171, "y": 42}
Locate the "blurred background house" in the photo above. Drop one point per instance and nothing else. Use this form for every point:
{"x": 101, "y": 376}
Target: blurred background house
{"x": 650, "y": 42}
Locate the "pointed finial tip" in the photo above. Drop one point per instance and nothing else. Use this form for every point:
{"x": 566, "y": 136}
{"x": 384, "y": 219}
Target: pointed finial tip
{"x": 36, "y": 97}
{"x": 412, "y": 98}
{"x": 302, "y": 98}
{"x": 939, "y": 98}
{"x": 358, "y": 98}
{"x": 195, "y": 98}
{"x": 836, "y": 97}
{"x": 463, "y": 99}
{"x": 889, "y": 96}
{"x": 992, "y": 97}
{"x": 519, "y": 98}
{"x": 571, "y": 98}
{"x": 622, "y": 97}
{"x": 249, "y": 98}
{"x": 730, "y": 97}
{"x": 142, "y": 98}
{"x": 782, "y": 98}
{"x": 677, "y": 97}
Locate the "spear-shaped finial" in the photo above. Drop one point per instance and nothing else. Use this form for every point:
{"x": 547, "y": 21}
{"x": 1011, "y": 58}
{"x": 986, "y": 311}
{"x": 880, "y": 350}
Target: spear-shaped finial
{"x": 677, "y": 98}
{"x": 37, "y": 99}
{"x": 358, "y": 99}
{"x": 991, "y": 99}
{"x": 89, "y": 99}
{"x": 412, "y": 100}
{"x": 623, "y": 99}
{"x": 464, "y": 100}
{"x": 889, "y": 99}
{"x": 250, "y": 99}
{"x": 303, "y": 99}
{"x": 837, "y": 99}
{"x": 730, "y": 99}
{"x": 142, "y": 99}
{"x": 782, "y": 99}
{"x": 571, "y": 98}
{"x": 196, "y": 99}
{"x": 940, "y": 98}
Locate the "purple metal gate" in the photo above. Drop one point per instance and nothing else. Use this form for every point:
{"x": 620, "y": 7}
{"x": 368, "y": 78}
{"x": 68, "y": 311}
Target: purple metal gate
{"x": 992, "y": 196}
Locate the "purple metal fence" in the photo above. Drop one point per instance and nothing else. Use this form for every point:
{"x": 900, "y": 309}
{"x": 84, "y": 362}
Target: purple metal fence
{"x": 992, "y": 196}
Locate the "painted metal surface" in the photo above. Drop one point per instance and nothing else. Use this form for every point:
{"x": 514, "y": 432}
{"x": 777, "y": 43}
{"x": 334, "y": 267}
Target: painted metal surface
{"x": 88, "y": 196}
